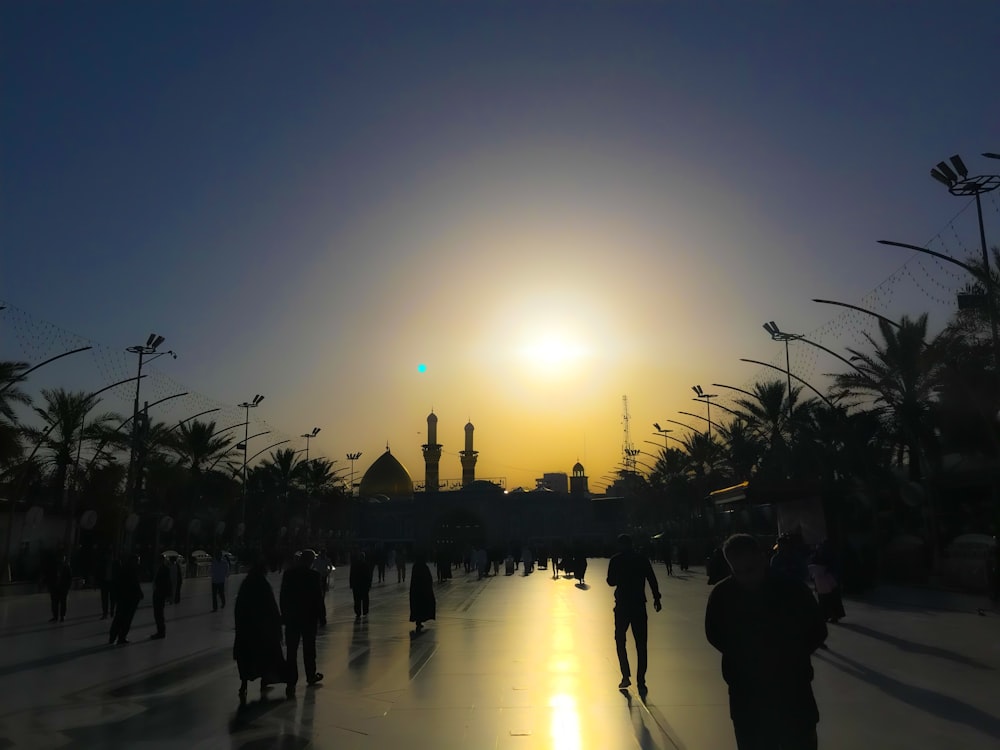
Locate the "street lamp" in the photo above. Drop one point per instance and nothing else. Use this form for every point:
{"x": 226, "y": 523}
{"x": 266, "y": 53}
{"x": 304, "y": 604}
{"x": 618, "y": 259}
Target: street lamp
{"x": 247, "y": 405}
{"x": 149, "y": 349}
{"x": 956, "y": 178}
{"x": 707, "y": 398}
{"x": 352, "y": 457}
{"x": 309, "y": 436}
{"x": 777, "y": 334}
{"x": 664, "y": 433}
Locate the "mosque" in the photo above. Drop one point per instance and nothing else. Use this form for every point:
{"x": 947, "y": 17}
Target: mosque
{"x": 392, "y": 509}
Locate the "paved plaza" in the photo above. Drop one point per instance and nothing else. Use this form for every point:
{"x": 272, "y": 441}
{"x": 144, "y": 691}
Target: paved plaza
{"x": 512, "y": 662}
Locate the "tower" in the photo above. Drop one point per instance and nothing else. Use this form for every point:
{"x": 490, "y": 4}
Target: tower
{"x": 578, "y": 481}
{"x": 469, "y": 457}
{"x": 432, "y": 455}
{"x": 629, "y": 451}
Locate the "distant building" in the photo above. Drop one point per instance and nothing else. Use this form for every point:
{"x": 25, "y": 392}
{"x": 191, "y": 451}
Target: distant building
{"x": 557, "y": 481}
{"x": 578, "y": 482}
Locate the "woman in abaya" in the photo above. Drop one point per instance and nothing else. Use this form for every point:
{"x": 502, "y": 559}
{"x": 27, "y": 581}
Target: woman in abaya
{"x": 257, "y": 648}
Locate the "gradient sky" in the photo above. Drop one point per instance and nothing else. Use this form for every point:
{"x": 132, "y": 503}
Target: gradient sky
{"x": 550, "y": 204}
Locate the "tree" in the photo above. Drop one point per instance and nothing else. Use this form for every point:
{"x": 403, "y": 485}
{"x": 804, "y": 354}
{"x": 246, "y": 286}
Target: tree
{"x": 197, "y": 447}
{"x": 11, "y": 395}
{"x": 901, "y": 376}
{"x": 69, "y": 429}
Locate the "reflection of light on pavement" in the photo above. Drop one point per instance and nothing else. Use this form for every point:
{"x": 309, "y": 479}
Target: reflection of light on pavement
{"x": 565, "y": 728}
{"x": 564, "y": 672}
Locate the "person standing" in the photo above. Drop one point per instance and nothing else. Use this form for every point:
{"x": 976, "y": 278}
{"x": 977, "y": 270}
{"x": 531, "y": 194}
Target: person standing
{"x": 423, "y": 606}
{"x": 104, "y": 571}
{"x": 380, "y": 563}
{"x": 766, "y": 627}
{"x": 683, "y": 558}
{"x": 628, "y": 572}
{"x": 60, "y": 581}
{"x": 176, "y": 578}
{"x": 162, "y": 593}
{"x": 303, "y": 611}
{"x": 668, "y": 556}
{"x": 323, "y": 566}
{"x": 400, "y": 565}
{"x": 361, "y": 583}
{"x": 257, "y": 645}
{"x": 219, "y": 571}
{"x": 129, "y": 594}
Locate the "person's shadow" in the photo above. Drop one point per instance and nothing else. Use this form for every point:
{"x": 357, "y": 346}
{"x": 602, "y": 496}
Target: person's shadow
{"x": 582, "y": 586}
{"x": 361, "y": 644}
{"x": 912, "y": 646}
{"x": 923, "y": 699}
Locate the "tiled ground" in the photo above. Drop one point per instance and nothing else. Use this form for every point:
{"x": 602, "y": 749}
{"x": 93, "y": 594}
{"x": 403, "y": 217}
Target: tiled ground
{"x": 519, "y": 662}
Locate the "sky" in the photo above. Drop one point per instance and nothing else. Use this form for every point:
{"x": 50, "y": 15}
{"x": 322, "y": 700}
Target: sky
{"x": 549, "y": 205}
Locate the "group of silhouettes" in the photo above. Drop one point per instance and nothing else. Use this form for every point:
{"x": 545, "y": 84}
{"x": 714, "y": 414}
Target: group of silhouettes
{"x": 300, "y": 611}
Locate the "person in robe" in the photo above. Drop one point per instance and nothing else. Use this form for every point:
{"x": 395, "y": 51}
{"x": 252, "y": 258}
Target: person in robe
{"x": 423, "y": 606}
{"x": 257, "y": 646}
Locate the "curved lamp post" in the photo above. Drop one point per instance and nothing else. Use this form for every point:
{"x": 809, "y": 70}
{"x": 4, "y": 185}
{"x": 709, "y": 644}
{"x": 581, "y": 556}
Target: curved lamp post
{"x": 827, "y": 401}
{"x": 30, "y": 370}
{"x": 247, "y": 405}
{"x": 707, "y": 398}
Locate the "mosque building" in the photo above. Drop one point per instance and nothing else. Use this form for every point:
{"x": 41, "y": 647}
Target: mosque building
{"x": 393, "y": 509}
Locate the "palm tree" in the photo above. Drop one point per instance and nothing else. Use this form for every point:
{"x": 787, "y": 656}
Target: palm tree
{"x": 901, "y": 375}
{"x": 68, "y": 429}
{"x": 197, "y": 447}
{"x": 11, "y": 395}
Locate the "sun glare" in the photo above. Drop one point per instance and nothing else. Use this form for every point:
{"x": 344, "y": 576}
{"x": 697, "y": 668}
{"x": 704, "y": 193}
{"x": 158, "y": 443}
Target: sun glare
{"x": 552, "y": 352}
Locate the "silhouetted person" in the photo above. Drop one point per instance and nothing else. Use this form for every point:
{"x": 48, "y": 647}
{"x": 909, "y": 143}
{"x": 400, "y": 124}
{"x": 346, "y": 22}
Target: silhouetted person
{"x": 823, "y": 571}
{"x": 766, "y": 627}
{"x": 323, "y": 566}
{"x": 717, "y": 568}
{"x": 790, "y": 559}
{"x": 176, "y": 579}
{"x": 219, "y": 572}
{"x": 668, "y": 556}
{"x": 400, "y": 565}
{"x": 162, "y": 593}
{"x": 104, "y": 574}
{"x": 129, "y": 594}
{"x": 423, "y": 606}
{"x": 629, "y": 572}
{"x": 683, "y": 557}
{"x": 257, "y": 646}
{"x": 580, "y": 568}
{"x": 303, "y": 611}
{"x": 60, "y": 581}
{"x": 380, "y": 560}
{"x": 361, "y": 584}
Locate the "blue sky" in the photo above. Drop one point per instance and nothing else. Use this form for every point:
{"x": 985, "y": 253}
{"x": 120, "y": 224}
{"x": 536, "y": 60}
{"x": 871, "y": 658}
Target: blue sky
{"x": 310, "y": 199}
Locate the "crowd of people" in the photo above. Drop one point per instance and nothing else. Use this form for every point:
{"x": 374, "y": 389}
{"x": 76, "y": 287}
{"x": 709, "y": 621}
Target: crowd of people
{"x": 761, "y": 614}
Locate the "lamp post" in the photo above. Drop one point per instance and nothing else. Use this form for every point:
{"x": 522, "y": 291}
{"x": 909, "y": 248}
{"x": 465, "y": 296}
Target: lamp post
{"x": 149, "y": 349}
{"x": 707, "y": 398}
{"x": 309, "y": 436}
{"x": 664, "y": 433}
{"x": 963, "y": 185}
{"x": 777, "y": 334}
{"x": 247, "y": 406}
{"x": 352, "y": 457}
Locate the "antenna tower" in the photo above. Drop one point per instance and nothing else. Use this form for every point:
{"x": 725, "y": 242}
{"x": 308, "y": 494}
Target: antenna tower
{"x": 629, "y": 451}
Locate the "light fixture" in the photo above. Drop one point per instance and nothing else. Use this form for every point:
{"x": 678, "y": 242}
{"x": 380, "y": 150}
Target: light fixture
{"x": 959, "y": 165}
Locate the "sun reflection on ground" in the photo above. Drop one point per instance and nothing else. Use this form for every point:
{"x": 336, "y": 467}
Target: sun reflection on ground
{"x": 564, "y": 674}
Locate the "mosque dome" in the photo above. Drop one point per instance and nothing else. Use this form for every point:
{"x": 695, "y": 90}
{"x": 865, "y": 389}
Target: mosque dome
{"x": 386, "y": 476}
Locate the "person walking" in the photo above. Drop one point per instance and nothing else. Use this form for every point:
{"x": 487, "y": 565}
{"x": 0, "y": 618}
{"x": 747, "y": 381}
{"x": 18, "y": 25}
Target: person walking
{"x": 766, "y": 626}
{"x": 668, "y": 556}
{"x": 176, "y": 579}
{"x": 580, "y": 568}
{"x": 162, "y": 593}
{"x": 401, "y": 566}
{"x": 303, "y": 611}
{"x": 323, "y": 566}
{"x": 60, "y": 581}
{"x": 423, "y": 606}
{"x": 361, "y": 584}
{"x": 257, "y": 645}
{"x": 219, "y": 572}
{"x": 823, "y": 572}
{"x": 129, "y": 594}
{"x": 628, "y": 572}
{"x": 683, "y": 558}
{"x": 104, "y": 573}
{"x": 380, "y": 563}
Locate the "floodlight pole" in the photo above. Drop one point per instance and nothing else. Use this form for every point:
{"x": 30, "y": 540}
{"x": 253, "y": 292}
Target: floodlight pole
{"x": 247, "y": 406}
{"x": 352, "y": 457}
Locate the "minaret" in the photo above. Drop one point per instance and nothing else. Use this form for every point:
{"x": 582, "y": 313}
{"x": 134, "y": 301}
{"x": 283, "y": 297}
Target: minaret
{"x": 432, "y": 455}
{"x": 468, "y": 458}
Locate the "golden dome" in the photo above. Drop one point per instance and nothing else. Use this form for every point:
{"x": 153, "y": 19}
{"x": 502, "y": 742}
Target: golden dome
{"x": 386, "y": 476}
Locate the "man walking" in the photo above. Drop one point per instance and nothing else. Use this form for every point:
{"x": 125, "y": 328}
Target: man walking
{"x": 104, "y": 572}
{"x": 302, "y": 611}
{"x": 129, "y": 594}
{"x": 766, "y": 626}
{"x": 361, "y": 583}
{"x": 629, "y": 571}
{"x": 60, "y": 582}
{"x": 219, "y": 572}
{"x": 400, "y": 566}
{"x": 162, "y": 592}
